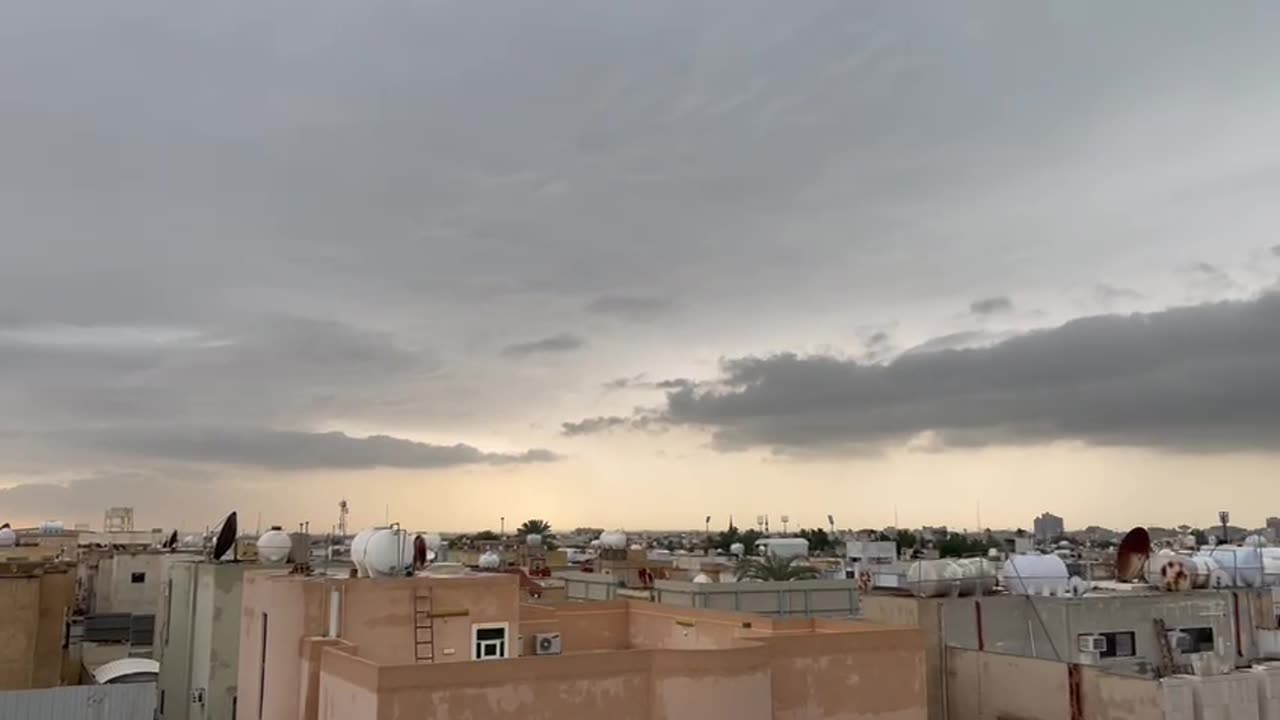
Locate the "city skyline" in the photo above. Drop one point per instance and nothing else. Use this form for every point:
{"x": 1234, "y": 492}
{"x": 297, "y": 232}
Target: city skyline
{"x": 685, "y": 261}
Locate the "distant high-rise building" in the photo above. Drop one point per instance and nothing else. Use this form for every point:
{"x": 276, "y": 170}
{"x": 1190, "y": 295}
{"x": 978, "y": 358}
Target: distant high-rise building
{"x": 1048, "y": 526}
{"x": 1273, "y": 528}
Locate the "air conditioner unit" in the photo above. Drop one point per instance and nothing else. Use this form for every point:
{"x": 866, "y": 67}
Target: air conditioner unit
{"x": 1093, "y": 643}
{"x": 546, "y": 644}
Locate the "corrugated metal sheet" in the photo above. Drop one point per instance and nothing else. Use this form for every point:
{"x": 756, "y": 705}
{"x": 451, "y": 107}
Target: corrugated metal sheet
{"x": 128, "y": 701}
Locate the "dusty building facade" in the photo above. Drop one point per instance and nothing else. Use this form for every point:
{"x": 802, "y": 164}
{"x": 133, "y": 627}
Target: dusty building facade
{"x": 198, "y": 639}
{"x": 619, "y": 659}
{"x": 35, "y": 599}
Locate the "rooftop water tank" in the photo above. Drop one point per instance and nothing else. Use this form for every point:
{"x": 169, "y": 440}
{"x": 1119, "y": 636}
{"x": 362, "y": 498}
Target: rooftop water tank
{"x": 433, "y": 541}
{"x": 274, "y": 545}
{"x": 1035, "y": 574}
{"x": 702, "y": 578}
{"x": 533, "y": 540}
{"x": 388, "y": 552}
{"x": 614, "y": 540}
{"x": 1242, "y": 565}
{"x": 978, "y": 576}
{"x": 738, "y": 549}
{"x": 358, "y": 545}
{"x": 51, "y": 527}
{"x": 1170, "y": 572}
{"x": 933, "y": 578}
{"x": 8, "y": 538}
{"x": 490, "y": 560}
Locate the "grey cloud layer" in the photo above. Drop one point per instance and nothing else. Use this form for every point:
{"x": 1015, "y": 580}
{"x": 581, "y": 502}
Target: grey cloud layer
{"x": 991, "y": 306}
{"x": 564, "y": 342}
{"x": 1203, "y": 378}
{"x": 284, "y": 450}
{"x": 225, "y": 396}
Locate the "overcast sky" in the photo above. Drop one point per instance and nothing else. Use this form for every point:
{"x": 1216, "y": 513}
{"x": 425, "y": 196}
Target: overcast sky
{"x": 630, "y": 264}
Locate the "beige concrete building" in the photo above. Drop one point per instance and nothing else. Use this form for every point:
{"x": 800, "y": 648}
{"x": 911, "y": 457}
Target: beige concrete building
{"x": 35, "y": 599}
{"x": 128, "y": 581}
{"x": 463, "y": 646}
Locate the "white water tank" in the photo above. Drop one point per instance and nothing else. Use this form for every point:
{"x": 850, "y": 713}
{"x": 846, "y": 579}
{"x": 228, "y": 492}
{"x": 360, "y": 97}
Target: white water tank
{"x": 613, "y": 540}
{"x": 783, "y": 547}
{"x": 1035, "y": 574}
{"x": 490, "y": 560}
{"x": 358, "y": 545}
{"x": 1202, "y": 576}
{"x": 433, "y": 540}
{"x": 388, "y": 552}
{"x": 1271, "y": 566}
{"x": 533, "y": 540}
{"x": 1170, "y": 572}
{"x": 8, "y": 538}
{"x": 274, "y": 545}
{"x": 51, "y": 527}
{"x": 738, "y": 549}
{"x": 1243, "y": 565}
{"x": 978, "y": 576}
{"x": 933, "y": 578}
{"x": 702, "y": 578}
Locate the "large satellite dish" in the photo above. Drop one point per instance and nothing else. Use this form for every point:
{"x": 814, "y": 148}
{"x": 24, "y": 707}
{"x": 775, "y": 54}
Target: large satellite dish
{"x": 226, "y": 537}
{"x": 1132, "y": 556}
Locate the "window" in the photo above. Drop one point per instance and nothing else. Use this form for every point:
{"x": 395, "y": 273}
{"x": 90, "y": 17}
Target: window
{"x": 137, "y": 578}
{"x": 489, "y": 641}
{"x": 1194, "y": 640}
{"x": 1119, "y": 644}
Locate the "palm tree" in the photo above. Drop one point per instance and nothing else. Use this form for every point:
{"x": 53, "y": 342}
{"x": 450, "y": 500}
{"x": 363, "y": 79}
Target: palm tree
{"x": 534, "y": 527}
{"x": 771, "y": 568}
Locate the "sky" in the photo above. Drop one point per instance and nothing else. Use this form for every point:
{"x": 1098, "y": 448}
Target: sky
{"x": 633, "y": 264}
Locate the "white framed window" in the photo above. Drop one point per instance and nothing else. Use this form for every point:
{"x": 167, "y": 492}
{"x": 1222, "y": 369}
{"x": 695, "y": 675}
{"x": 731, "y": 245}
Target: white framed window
{"x": 489, "y": 641}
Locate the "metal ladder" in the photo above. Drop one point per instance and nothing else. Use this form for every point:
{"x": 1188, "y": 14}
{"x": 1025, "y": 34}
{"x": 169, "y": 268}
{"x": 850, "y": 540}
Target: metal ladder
{"x": 423, "y": 632}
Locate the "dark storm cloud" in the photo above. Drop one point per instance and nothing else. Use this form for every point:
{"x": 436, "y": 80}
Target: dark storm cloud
{"x": 285, "y": 450}
{"x": 629, "y": 308}
{"x": 1198, "y": 379}
{"x": 991, "y": 306}
{"x": 564, "y": 342}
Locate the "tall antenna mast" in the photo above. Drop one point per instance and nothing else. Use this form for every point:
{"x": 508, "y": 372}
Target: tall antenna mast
{"x": 343, "y": 509}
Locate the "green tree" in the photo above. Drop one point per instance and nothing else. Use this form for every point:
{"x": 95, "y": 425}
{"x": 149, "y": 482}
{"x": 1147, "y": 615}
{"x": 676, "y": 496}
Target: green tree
{"x": 535, "y": 526}
{"x": 907, "y": 540}
{"x": 1202, "y": 539}
{"x": 819, "y": 541}
{"x": 771, "y": 568}
{"x": 485, "y": 536}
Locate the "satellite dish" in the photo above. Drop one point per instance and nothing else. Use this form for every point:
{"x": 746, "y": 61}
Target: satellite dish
{"x": 1132, "y": 556}
{"x": 4, "y": 526}
{"x": 226, "y": 537}
{"x": 421, "y": 555}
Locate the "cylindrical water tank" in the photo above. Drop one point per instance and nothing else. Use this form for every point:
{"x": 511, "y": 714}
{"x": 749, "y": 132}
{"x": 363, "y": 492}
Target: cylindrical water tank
{"x": 388, "y": 552}
{"x": 1243, "y": 565}
{"x": 1202, "y": 575}
{"x": 702, "y": 578}
{"x": 533, "y": 540}
{"x": 1170, "y": 572}
{"x": 1271, "y": 566}
{"x": 978, "y": 576}
{"x": 358, "y": 545}
{"x": 274, "y": 546}
{"x": 490, "y": 560}
{"x": 8, "y": 538}
{"x": 433, "y": 540}
{"x": 614, "y": 540}
{"x": 1035, "y": 574}
{"x": 933, "y": 578}
{"x": 737, "y": 549}
{"x": 51, "y": 527}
